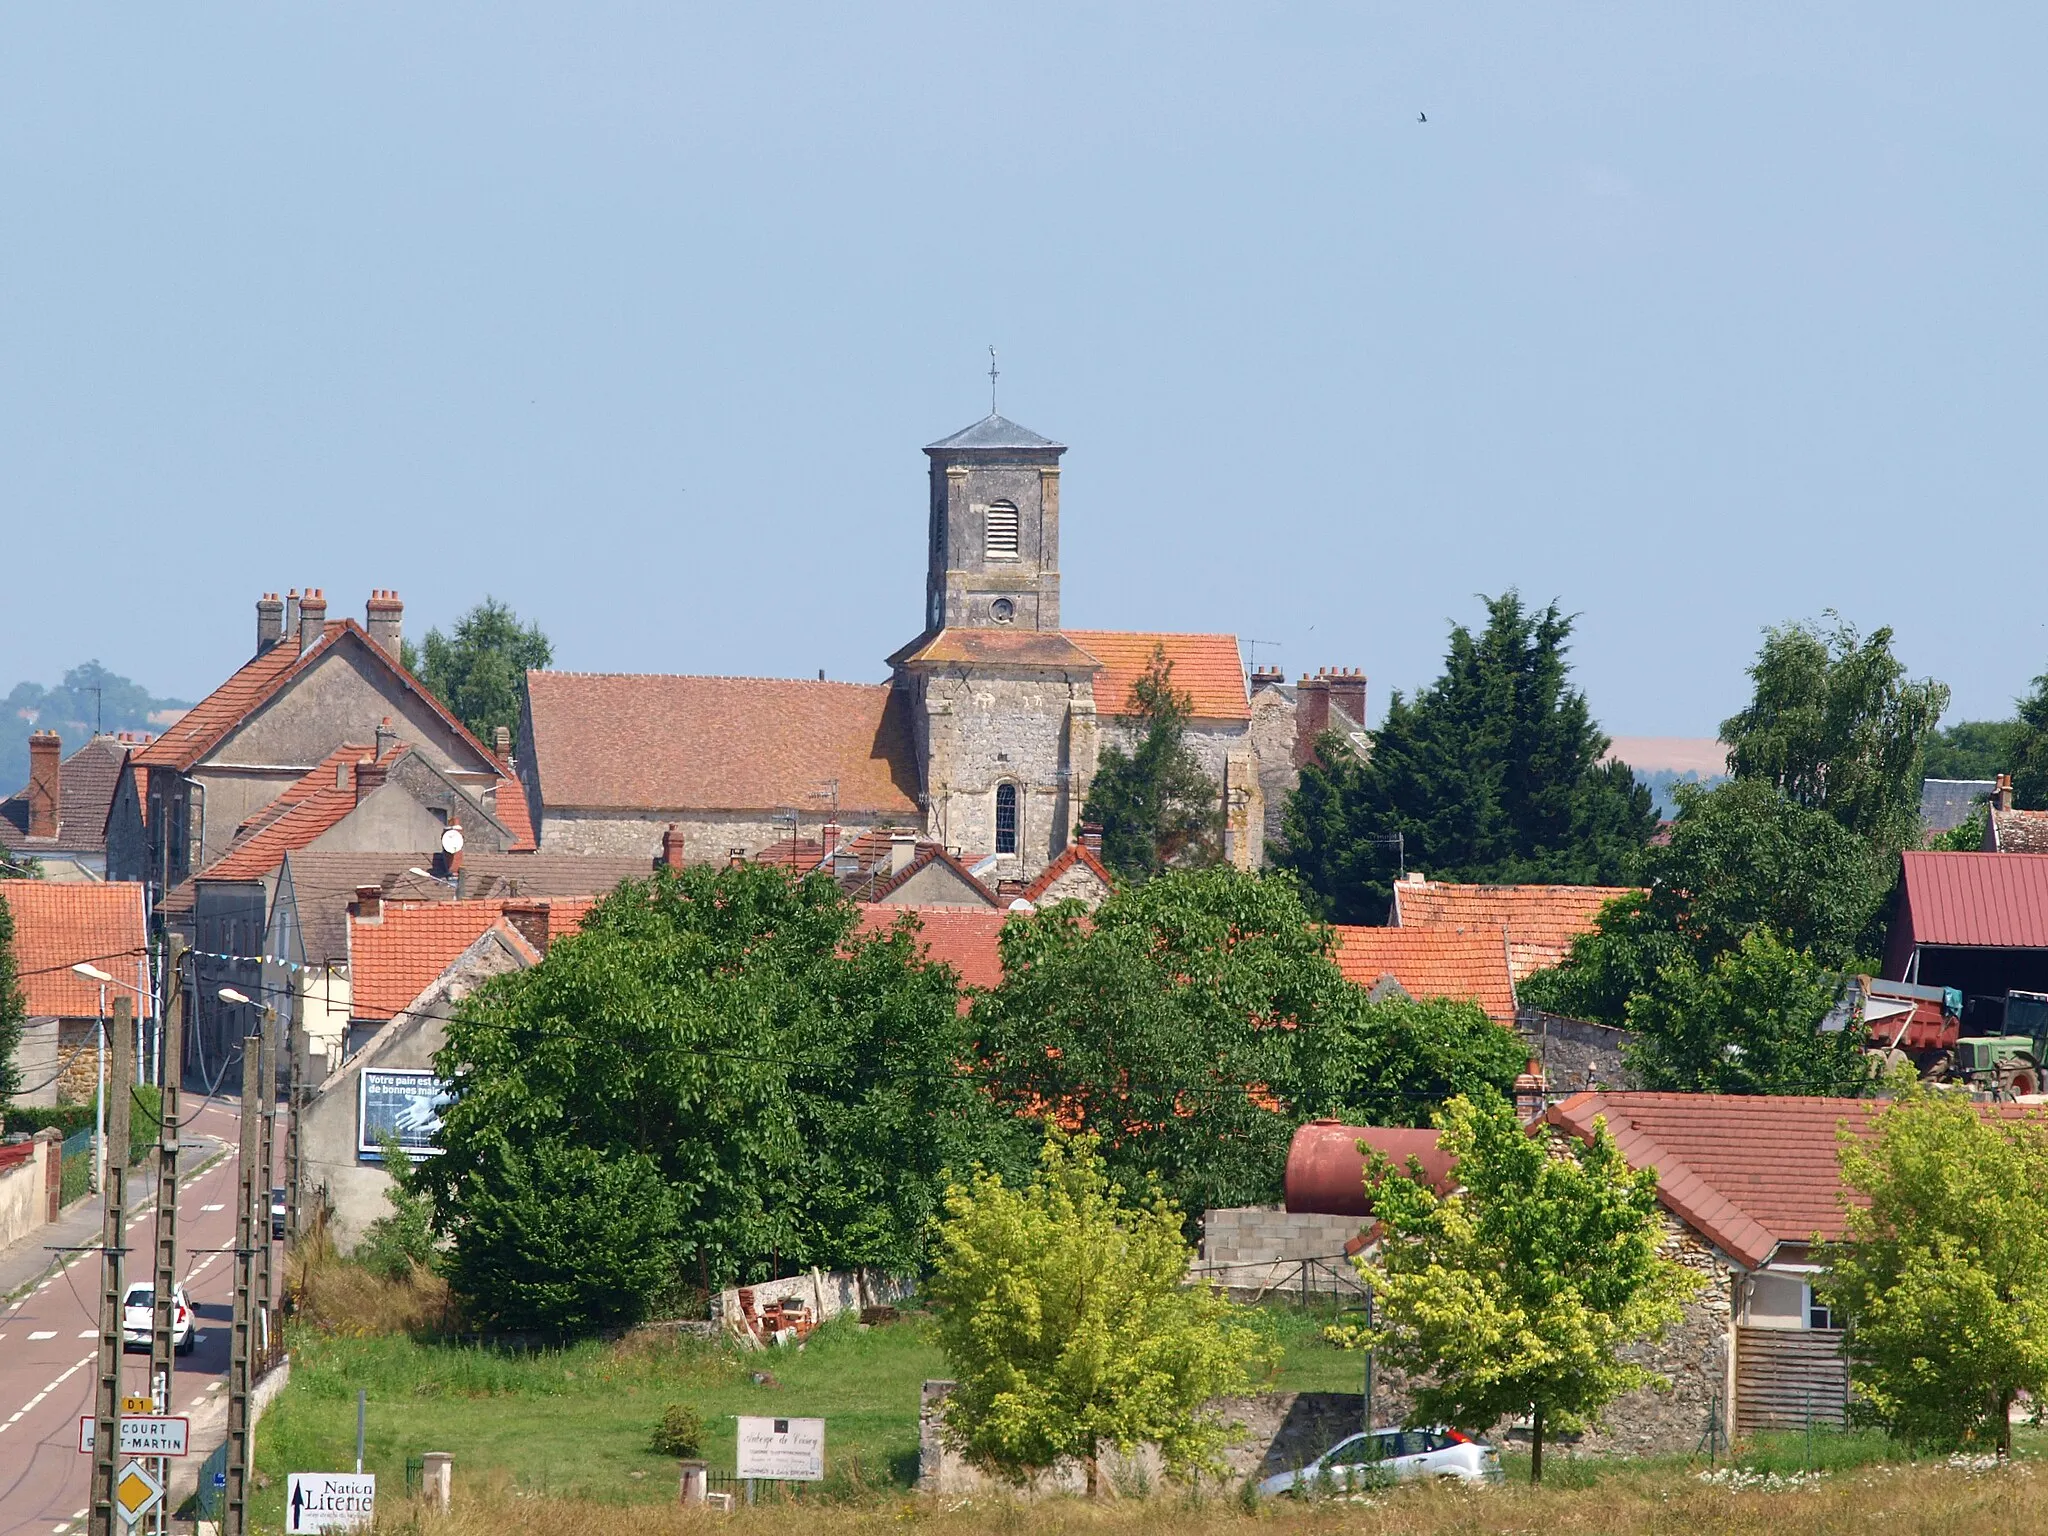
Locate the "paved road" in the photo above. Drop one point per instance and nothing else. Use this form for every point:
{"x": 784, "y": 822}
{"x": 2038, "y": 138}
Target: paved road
{"x": 47, "y": 1343}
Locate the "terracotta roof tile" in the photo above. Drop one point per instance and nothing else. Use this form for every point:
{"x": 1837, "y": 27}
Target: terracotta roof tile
{"x": 1206, "y": 667}
{"x": 1750, "y": 1172}
{"x": 2020, "y": 831}
{"x": 395, "y": 957}
{"x": 1541, "y": 920}
{"x": 609, "y": 741}
{"x": 56, "y": 925}
{"x": 1978, "y": 900}
{"x": 85, "y": 789}
{"x": 963, "y": 937}
{"x": 1465, "y": 963}
{"x": 312, "y": 804}
{"x": 997, "y": 647}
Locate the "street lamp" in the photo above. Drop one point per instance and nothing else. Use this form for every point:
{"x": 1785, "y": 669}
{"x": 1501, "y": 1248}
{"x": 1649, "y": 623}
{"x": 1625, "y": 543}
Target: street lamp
{"x": 92, "y": 972}
{"x": 231, "y": 995}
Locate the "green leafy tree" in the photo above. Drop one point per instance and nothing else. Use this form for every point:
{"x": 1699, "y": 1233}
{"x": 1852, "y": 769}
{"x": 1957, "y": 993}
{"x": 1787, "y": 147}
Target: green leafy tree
{"x": 1966, "y": 836}
{"x": 1495, "y": 773}
{"x": 1157, "y": 808}
{"x": 1608, "y": 964}
{"x": 89, "y": 699}
{"x": 1748, "y": 1024}
{"x": 1395, "y": 1062}
{"x": 1165, "y": 1025}
{"x": 1942, "y": 1280}
{"x": 1835, "y": 726}
{"x": 402, "y": 1239}
{"x": 726, "y": 1048}
{"x": 2029, "y": 765}
{"x": 478, "y": 671}
{"x": 1972, "y": 749}
{"x": 13, "y": 1006}
{"x": 1064, "y": 1315}
{"x": 1517, "y": 1292}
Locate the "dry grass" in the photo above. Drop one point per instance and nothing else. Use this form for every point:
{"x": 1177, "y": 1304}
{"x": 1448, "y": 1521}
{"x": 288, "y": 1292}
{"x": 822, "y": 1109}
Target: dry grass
{"x": 345, "y": 1300}
{"x": 1664, "y": 1502}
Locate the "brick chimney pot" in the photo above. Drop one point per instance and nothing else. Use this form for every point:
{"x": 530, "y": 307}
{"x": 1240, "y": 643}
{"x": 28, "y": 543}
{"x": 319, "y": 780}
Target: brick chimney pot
{"x": 312, "y": 618}
{"x": 269, "y": 621}
{"x": 45, "y": 782}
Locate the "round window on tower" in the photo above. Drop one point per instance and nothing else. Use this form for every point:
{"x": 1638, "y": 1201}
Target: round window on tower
{"x": 1002, "y": 610}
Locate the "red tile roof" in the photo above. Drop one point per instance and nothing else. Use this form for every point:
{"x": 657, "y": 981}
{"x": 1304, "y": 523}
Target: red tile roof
{"x": 1978, "y": 900}
{"x": 509, "y": 806}
{"x": 56, "y": 925}
{"x": 1541, "y": 920}
{"x": 1749, "y": 1172}
{"x": 609, "y": 741}
{"x": 963, "y": 937}
{"x": 261, "y": 679}
{"x": 85, "y": 789}
{"x": 997, "y": 647}
{"x": 312, "y": 804}
{"x": 1465, "y": 963}
{"x": 2019, "y": 831}
{"x": 1205, "y": 667}
{"x": 1070, "y": 856}
{"x": 397, "y": 956}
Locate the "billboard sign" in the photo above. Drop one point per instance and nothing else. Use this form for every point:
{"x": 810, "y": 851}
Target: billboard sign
{"x": 401, "y": 1102}
{"x": 788, "y": 1450}
{"x": 330, "y": 1501}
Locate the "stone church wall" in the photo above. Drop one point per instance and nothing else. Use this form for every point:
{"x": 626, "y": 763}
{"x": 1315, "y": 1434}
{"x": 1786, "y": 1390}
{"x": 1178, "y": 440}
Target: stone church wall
{"x": 708, "y": 836}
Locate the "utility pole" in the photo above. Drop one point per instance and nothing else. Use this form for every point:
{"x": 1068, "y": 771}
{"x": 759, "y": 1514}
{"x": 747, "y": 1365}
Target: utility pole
{"x": 266, "y": 1078}
{"x": 106, "y": 1446}
{"x": 171, "y": 1034}
{"x": 293, "y": 1077}
{"x": 235, "y": 1513}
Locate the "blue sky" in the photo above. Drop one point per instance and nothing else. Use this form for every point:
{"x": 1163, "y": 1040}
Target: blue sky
{"x": 1695, "y": 318}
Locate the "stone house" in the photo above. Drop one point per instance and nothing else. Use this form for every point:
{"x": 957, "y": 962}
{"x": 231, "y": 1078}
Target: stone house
{"x": 312, "y": 685}
{"x": 1540, "y": 920}
{"x": 59, "y": 818}
{"x": 58, "y": 925}
{"x": 984, "y": 740}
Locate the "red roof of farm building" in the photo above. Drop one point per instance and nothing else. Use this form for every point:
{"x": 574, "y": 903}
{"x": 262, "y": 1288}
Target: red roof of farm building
{"x": 1978, "y": 900}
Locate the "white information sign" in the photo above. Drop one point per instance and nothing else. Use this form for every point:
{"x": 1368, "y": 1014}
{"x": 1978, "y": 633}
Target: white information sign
{"x": 145, "y": 1435}
{"x": 787, "y": 1450}
{"x": 329, "y": 1501}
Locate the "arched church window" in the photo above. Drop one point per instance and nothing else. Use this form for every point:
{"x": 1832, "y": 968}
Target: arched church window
{"x": 1006, "y": 818}
{"x": 1001, "y": 541}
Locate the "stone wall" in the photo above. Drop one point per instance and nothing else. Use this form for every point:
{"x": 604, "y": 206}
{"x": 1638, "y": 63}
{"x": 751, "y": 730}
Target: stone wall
{"x": 1576, "y": 1055}
{"x": 1254, "y": 1248}
{"x": 976, "y": 733}
{"x": 708, "y": 836}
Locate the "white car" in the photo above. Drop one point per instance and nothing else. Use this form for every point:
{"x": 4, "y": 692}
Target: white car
{"x": 1383, "y": 1456}
{"x": 138, "y": 1318}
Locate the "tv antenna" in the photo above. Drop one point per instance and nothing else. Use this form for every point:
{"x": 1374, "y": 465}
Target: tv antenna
{"x": 1252, "y": 650}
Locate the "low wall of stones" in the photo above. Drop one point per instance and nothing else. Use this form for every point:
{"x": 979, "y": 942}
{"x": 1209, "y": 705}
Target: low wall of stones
{"x": 1576, "y": 1055}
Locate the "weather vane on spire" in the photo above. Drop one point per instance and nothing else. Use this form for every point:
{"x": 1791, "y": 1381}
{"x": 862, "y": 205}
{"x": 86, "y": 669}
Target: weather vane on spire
{"x": 991, "y": 378}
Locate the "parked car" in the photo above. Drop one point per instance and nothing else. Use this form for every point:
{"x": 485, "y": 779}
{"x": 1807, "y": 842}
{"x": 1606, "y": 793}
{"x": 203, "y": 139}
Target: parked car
{"x": 138, "y": 1318}
{"x": 1382, "y": 1456}
{"x": 277, "y": 1211}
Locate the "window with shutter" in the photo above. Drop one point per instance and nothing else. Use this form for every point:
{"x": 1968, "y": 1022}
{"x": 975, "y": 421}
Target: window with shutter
{"x": 1001, "y": 543}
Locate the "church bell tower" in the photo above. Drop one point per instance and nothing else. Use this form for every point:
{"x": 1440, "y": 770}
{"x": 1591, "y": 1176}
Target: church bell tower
{"x": 995, "y": 529}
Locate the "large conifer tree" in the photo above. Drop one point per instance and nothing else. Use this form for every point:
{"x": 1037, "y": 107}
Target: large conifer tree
{"x": 1494, "y": 773}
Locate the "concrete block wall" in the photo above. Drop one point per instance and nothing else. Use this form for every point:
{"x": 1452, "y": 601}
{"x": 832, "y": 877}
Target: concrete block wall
{"x": 1259, "y": 1247}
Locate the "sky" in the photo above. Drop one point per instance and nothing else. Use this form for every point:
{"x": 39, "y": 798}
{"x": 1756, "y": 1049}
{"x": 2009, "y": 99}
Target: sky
{"x": 1693, "y": 319}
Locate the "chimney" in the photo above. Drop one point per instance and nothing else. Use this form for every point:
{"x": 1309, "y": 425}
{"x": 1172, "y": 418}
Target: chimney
{"x": 735, "y": 858}
{"x": 829, "y": 836}
{"x": 1008, "y": 891}
{"x": 370, "y": 903}
{"x": 312, "y": 618}
{"x": 1347, "y": 692}
{"x": 269, "y": 621}
{"x": 387, "y": 733}
{"x": 369, "y": 777}
{"x": 45, "y": 782}
{"x": 672, "y": 847}
{"x": 1531, "y": 1089}
{"x": 1267, "y": 677}
{"x": 501, "y": 741}
{"x": 530, "y": 918}
{"x": 449, "y": 865}
{"x": 1311, "y": 715}
{"x": 902, "y": 851}
{"x": 1091, "y": 837}
{"x": 2001, "y": 796}
{"x": 291, "y": 612}
{"x": 383, "y": 616}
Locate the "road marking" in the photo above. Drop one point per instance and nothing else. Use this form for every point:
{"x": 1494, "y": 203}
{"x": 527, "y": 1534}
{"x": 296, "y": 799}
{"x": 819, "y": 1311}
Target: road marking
{"x": 213, "y": 1207}
{"x": 60, "y": 1528}
{"x": 214, "y": 1387}
{"x": 90, "y": 1333}
{"x": 46, "y": 1333}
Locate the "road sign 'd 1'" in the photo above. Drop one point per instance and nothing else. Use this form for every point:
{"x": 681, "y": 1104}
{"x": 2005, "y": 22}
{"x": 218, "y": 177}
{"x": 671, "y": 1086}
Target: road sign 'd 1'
{"x": 329, "y": 1501}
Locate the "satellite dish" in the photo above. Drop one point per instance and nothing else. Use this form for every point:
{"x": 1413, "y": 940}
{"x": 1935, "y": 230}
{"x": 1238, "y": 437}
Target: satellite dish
{"x": 451, "y": 840}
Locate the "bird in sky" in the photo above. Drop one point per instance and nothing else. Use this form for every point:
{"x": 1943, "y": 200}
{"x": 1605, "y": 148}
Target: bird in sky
{"x": 1422, "y": 117}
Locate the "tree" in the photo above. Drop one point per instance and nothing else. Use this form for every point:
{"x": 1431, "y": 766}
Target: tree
{"x": 2029, "y": 757}
{"x": 1834, "y": 726}
{"x": 478, "y": 671}
{"x": 1065, "y": 1317}
{"x": 1395, "y": 1062}
{"x": 1942, "y": 1278}
{"x": 89, "y": 699}
{"x": 726, "y": 1048}
{"x": 1494, "y": 774}
{"x": 1750, "y": 1023}
{"x": 1158, "y": 810}
{"x": 1516, "y": 1292}
{"x": 13, "y": 1006}
{"x": 1971, "y": 749}
{"x": 1165, "y": 1025}
{"x": 1616, "y": 959}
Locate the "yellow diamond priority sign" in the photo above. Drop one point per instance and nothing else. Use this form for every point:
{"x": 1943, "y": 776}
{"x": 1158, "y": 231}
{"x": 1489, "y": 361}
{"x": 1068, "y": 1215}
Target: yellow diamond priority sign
{"x": 136, "y": 1492}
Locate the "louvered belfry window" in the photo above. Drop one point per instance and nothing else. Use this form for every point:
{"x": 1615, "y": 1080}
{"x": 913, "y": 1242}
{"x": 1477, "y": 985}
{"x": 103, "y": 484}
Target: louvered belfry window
{"x": 1001, "y": 543}
{"x": 1006, "y": 818}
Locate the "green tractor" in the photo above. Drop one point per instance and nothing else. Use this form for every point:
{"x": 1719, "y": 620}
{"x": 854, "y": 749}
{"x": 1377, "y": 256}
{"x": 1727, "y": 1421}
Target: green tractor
{"x": 2008, "y": 1065}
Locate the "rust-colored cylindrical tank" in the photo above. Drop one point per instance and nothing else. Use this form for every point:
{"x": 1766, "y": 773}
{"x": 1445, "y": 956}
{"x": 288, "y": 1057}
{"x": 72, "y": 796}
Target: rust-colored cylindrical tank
{"x": 1326, "y": 1169}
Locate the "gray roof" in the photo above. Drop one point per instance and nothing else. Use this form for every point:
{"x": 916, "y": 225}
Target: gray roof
{"x": 993, "y": 431}
{"x": 1946, "y": 804}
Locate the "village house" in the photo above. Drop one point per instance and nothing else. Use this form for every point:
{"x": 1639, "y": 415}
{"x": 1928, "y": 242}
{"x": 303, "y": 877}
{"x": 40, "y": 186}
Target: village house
{"x": 1540, "y": 920}
{"x": 58, "y": 925}
{"x": 59, "y": 818}
{"x": 983, "y": 741}
{"x": 1466, "y": 964}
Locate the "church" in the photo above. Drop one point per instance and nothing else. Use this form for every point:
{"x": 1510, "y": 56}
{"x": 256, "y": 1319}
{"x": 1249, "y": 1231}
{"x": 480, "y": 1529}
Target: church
{"x": 983, "y": 741}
